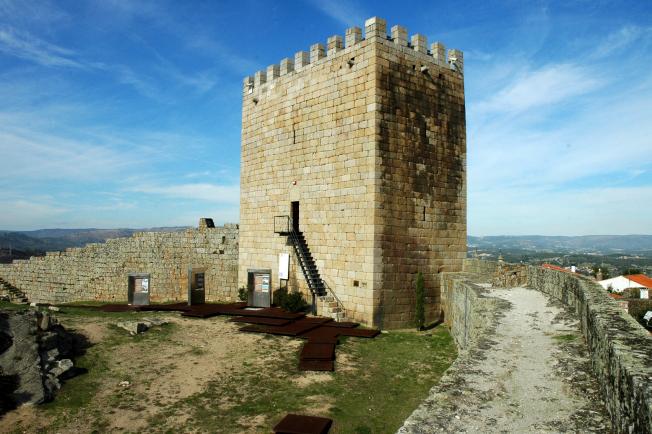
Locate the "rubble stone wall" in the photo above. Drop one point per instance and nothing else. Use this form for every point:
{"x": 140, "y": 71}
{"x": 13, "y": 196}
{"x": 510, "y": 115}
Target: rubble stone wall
{"x": 466, "y": 308}
{"x": 99, "y": 271}
{"x": 620, "y": 348}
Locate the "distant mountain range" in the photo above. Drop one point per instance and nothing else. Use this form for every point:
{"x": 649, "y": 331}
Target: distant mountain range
{"x": 584, "y": 243}
{"x": 45, "y": 240}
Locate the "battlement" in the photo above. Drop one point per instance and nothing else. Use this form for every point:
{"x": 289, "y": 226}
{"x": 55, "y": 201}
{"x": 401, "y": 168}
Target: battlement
{"x": 374, "y": 27}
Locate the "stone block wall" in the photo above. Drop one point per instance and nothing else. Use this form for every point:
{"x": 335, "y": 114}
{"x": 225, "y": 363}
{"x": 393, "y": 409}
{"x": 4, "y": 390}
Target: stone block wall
{"x": 368, "y": 135}
{"x": 308, "y": 136}
{"x": 100, "y": 271}
{"x": 421, "y": 155}
{"x": 620, "y": 348}
{"x": 466, "y": 308}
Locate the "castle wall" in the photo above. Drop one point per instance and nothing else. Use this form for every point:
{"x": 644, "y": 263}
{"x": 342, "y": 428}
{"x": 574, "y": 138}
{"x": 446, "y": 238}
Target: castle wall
{"x": 620, "y": 348}
{"x": 421, "y": 212}
{"x": 100, "y": 271}
{"x": 374, "y": 149}
{"x": 308, "y": 136}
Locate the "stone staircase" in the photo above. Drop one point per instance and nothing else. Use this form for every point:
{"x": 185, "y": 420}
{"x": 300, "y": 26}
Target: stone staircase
{"x": 332, "y": 308}
{"x": 12, "y": 293}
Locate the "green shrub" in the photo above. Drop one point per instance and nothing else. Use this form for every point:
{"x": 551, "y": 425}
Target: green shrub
{"x": 290, "y": 301}
{"x": 242, "y": 294}
{"x": 419, "y": 309}
{"x": 632, "y": 293}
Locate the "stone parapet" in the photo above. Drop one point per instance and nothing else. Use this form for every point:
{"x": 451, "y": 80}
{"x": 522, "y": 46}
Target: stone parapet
{"x": 466, "y": 306}
{"x": 375, "y": 28}
{"x": 620, "y": 348}
{"x": 100, "y": 271}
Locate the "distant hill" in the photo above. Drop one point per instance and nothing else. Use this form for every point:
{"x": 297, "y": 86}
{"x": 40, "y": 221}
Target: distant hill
{"x": 37, "y": 242}
{"x": 584, "y": 243}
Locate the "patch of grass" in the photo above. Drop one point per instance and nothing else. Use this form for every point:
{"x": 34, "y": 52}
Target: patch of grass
{"x": 376, "y": 385}
{"x": 396, "y": 371}
{"x": 5, "y": 305}
{"x": 75, "y": 398}
{"x": 393, "y": 374}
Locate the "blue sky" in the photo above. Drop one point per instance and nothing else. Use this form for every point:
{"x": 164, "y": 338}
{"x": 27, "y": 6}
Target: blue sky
{"x": 127, "y": 113}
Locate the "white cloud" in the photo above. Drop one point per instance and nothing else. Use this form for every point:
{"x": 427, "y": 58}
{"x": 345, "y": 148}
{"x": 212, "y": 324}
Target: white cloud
{"x": 591, "y": 211}
{"x": 227, "y": 194}
{"x": 547, "y": 86}
{"x": 343, "y": 11}
{"x": 41, "y": 13}
{"x": 621, "y": 39}
{"x": 591, "y": 142}
{"x": 29, "y": 155}
{"x": 20, "y": 214}
{"x": 28, "y": 47}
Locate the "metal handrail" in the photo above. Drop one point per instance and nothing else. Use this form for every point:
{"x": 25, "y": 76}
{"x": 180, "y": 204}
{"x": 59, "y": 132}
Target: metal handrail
{"x": 329, "y": 289}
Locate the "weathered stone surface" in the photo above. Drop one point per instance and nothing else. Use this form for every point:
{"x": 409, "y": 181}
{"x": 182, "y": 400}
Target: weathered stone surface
{"x": 374, "y": 150}
{"x": 100, "y": 271}
{"x": 140, "y": 326}
{"x": 34, "y": 358}
{"x": 620, "y": 349}
{"x": 22, "y": 358}
{"x": 60, "y": 367}
{"x": 527, "y": 370}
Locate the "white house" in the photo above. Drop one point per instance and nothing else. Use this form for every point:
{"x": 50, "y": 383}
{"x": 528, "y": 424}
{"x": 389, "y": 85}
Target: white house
{"x": 620, "y": 283}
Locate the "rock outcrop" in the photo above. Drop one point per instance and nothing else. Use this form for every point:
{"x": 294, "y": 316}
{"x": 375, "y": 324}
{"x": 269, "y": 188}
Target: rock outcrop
{"x": 35, "y": 357}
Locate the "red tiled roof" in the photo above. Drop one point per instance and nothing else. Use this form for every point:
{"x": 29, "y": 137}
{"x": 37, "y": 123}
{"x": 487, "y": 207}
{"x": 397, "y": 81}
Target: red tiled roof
{"x": 641, "y": 279}
{"x": 554, "y": 267}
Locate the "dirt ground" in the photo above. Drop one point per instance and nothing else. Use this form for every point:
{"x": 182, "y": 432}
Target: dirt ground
{"x": 160, "y": 372}
{"x": 204, "y": 375}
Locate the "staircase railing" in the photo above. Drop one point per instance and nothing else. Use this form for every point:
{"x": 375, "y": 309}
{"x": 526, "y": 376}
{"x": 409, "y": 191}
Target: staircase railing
{"x": 283, "y": 226}
{"x": 330, "y": 291}
{"x": 303, "y": 262}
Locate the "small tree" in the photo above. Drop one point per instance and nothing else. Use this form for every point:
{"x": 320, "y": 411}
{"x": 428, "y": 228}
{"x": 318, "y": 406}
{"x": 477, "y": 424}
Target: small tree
{"x": 419, "y": 310}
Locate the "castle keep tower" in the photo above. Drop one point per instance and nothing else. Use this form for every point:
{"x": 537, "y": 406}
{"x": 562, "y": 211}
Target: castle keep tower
{"x": 354, "y": 164}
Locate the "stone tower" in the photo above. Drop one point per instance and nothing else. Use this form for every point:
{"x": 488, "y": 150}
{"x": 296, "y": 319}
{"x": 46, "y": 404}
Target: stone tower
{"x": 359, "y": 146}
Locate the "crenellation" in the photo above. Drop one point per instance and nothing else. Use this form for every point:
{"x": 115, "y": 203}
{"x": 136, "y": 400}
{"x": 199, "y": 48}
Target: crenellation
{"x": 260, "y": 78}
{"x": 317, "y": 52}
{"x": 456, "y": 60}
{"x": 399, "y": 35}
{"x": 287, "y": 66}
{"x": 438, "y": 51}
{"x": 375, "y": 27}
{"x": 419, "y": 43}
{"x": 273, "y": 71}
{"x": 301, "y": 60}
{"x": 353, "y": 36}
{"x": 334, "y": 45}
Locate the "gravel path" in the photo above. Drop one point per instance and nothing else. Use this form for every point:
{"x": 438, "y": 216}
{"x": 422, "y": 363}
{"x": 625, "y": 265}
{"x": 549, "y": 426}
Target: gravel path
{"x": 531, "y": 373}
